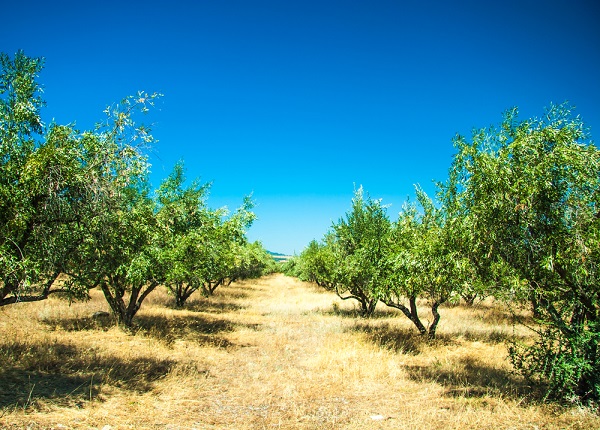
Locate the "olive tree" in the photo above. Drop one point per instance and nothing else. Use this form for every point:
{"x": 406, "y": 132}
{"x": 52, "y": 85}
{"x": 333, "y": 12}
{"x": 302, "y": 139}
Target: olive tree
{"x": 360, "y": 248}
{"x": 226, "y": 256}
{"x": 200, "y": 248}
{"x": 45, "y": 189}
{"x": 316, "y": 263}
{"x": 425, "y": 263}
{"x": 183, "y": 220}
{"x": 532, "y": 190}
{"x": 119, "y": 248}
{"x": 251, "y": 261}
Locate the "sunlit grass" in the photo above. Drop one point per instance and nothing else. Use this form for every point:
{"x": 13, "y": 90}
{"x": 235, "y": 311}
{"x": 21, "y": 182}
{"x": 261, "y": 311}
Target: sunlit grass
{"x": 271, "y": 353}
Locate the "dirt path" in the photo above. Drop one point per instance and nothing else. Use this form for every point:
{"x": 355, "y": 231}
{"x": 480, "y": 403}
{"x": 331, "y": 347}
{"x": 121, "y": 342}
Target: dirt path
{"x": 293, "y": 363}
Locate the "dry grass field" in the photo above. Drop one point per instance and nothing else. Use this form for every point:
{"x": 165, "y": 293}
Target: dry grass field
{"x": 266, "y": 354}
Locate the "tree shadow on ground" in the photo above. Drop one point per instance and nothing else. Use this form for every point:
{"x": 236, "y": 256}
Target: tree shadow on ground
{"x": 470, "y": 378}
{"x": 104, "y": 323}
{"x": 209, "y": 306}
{"x": 191, "y": 328}
{"x": 351, "y": 313}
{"x": 409, "y": 341}
{"x": 355, "y": 312}
{"x": 69, "y": 376}
{"x": 396, "y": 339}
{"x": 199, "y": 329}
{"x": 25, "y": 390}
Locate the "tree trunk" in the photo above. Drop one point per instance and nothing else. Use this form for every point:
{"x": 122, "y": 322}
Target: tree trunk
{"x": 12, "y": 290}
{"x": 214, "y": 286}
{"x": 469, "y": 298}
{"x": 183, "y": 293}
{"x": 412, "y": 313}
{"x": 436, "y": 319}
{"x": 178, "y": 292}
{"x": 367, "y": 307}
{"x": 116, "y": 303}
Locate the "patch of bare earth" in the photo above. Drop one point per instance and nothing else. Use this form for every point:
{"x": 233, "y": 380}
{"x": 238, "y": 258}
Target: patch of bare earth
{"x": 272, "y": 353}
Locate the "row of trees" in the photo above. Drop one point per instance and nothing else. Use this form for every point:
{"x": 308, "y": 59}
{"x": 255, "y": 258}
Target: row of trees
{"x": 76, "y": 210}
{"x": 368, "y": 258}
{"x": 518, "y": 218}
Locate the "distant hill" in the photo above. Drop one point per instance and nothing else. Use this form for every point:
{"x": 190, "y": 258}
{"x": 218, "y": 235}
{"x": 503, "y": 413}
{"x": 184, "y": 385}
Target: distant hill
{"x": 279, "y": 257}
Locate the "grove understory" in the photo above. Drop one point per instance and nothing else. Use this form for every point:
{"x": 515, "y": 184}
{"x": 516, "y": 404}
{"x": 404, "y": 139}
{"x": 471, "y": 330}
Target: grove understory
{"x": 269, "y": 353}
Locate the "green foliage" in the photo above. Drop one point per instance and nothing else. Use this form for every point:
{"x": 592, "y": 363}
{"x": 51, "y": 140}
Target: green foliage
{"x": 368, "y": 258}
{"x": 360, "y": 252}
{"x": 231, "y": 256}
{"x": 20, "y": 103}
{"x": 352, "y": 259}
{"x": 562, "y": 363}
{"x": 316, "y": 263}
{"x": 185, "y": 226}
{"x": 531, "y": 189}
{"x": 202, "y": 248}
{"x": 292, "y": 268}
{"x": 76, "y": 211}
{"x": 117, "y": 249}
{"x": 252, "y": 261}
{"x": 424, "y": 263}
{"x": 43, "y": 188}
{"x": 73, "y": 203}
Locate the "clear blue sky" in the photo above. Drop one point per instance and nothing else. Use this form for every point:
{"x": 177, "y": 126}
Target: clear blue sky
{"x": 298, "y": 101}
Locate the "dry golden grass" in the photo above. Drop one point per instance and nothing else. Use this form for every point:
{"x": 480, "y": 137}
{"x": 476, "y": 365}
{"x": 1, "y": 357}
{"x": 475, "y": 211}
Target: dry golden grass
{"x": 272, "y": 353}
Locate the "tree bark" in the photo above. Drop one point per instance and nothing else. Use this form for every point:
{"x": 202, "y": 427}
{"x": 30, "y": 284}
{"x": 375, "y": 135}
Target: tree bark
{"x": 436, "y": 319}
{"x": 33, "y": 297}
{"x": 412, "y": 313}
